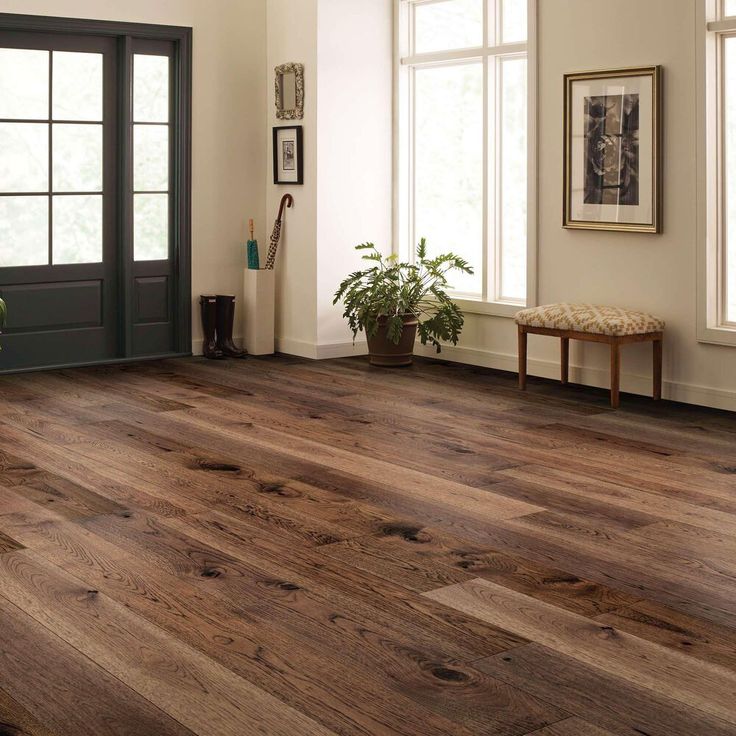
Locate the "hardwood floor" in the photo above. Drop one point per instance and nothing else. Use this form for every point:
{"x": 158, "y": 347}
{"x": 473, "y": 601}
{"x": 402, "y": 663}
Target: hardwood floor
{"x": 291, "y": 548}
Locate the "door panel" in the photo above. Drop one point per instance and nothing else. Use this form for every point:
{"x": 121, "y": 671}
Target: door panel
{"x": 58, "y": 192}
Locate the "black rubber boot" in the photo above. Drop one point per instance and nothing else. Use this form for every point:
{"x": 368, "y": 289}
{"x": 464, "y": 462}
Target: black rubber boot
{"x": 225, "y": 320}
{"x": 208, "y": 305}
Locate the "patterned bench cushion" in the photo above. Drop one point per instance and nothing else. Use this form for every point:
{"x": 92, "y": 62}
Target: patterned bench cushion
{"x": 590, "y": 318}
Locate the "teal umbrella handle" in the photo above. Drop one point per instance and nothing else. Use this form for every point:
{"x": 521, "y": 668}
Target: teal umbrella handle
{"x": 253, "y": 260}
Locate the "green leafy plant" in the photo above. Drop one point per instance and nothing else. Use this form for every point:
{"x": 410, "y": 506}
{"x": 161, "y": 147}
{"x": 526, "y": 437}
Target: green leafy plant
{"x": 389, "y": 291}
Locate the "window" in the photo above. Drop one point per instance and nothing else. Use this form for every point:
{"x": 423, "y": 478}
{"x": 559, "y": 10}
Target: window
{"x": 463, "y": 142}
{"x": 717, "y": 279}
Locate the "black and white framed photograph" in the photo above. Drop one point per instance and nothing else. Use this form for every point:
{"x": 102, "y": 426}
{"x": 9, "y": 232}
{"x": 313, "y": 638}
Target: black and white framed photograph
{"x": 288, "y": 164}
{"x": 612, "y": 150}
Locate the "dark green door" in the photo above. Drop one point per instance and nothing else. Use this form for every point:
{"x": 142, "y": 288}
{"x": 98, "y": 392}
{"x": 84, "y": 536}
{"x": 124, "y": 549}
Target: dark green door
{"x": 94, "y": 193}
{"x": 57, "y": 199}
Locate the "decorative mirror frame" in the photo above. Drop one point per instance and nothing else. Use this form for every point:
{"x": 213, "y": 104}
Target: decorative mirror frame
{"x": 298, "y": 71}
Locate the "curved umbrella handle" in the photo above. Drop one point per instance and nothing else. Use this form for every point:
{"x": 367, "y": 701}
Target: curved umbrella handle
{"x": 287, "y": 200}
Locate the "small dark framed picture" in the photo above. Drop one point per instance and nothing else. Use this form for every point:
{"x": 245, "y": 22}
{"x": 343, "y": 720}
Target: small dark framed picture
{"x": 288, "y": 163}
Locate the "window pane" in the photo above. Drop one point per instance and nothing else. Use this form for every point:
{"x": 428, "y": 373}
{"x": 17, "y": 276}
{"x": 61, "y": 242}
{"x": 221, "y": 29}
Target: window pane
{"x": 448, "y": 24}
{"x": 151, "y": 227}
{"x": 24, "y": 157}
{"x": 77, "y": 155}
{"x": 449, "y": 165}
{"x": 151, "y": 158}
{"x": 513, "y": 169}
{"x": 729, "y": 144}
{"x": 77, "y": 231}
{"x": 150, "y": 88}
{"x": 77, "y": 86}
{"x": 513, "y": 21}
{"x": 24, "y": 84}
{"x": 729, "y": 7}
{"x": 24, "y": 231}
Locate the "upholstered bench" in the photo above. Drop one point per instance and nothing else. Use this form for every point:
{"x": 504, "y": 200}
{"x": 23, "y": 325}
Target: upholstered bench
{"x": 611, "y": 325}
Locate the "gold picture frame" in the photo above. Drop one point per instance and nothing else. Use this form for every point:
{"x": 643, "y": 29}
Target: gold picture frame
{"x": 612, "y": 150}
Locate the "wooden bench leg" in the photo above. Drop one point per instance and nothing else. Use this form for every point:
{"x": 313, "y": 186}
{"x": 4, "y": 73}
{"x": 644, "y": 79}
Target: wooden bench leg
{"x": 615, "y": 371}
{"x": 564, "y": 358}
{"x": 522, "y": 358}
{"x": 657, "y": 373}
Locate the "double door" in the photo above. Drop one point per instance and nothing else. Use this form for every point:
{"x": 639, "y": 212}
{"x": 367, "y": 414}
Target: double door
{"x": 93, "y": 257}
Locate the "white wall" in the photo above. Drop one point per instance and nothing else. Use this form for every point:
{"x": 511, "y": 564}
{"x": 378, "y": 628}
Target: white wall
{"x": 654, "y": 273}
{"x": 291, "y": 30}
{"x": 345, "y": 46}
{"x": 355, "y": 43}
{"x": 229, "y": 139}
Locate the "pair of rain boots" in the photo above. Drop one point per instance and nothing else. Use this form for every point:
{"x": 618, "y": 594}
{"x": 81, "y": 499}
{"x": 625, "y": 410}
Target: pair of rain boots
{"x": 218, "y": 316}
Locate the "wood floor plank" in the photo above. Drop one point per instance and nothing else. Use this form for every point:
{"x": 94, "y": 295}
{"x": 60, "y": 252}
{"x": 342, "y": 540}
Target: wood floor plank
{"x": 15, "y": 720}
{"x": 665, "y": 506}
{"x": 65, "y": 691}
{"x": 423, "y": 556}
{"x": 571, "y": 727}
{"x": 701, "y": 685}
{"x": 198, "y": 693}
{"x": 611, "y": 702}
{"x": 671, "y": 628}
{"x": 251, "y": 643}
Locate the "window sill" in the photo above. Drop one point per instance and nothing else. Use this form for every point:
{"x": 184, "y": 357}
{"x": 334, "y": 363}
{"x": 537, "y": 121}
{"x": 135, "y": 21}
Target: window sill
{"x": 717, "y": 335}
{"x": 491, "y": 309}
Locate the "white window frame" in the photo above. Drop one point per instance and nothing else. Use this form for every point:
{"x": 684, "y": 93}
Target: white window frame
{"x": 713, "y": 27}
{"x": 404, "y": 236}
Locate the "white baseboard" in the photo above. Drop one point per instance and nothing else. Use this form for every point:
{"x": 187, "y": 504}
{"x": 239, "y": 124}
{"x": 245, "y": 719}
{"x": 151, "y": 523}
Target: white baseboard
{"x": 598, "y": 377}
{"x": 320, "y": 352}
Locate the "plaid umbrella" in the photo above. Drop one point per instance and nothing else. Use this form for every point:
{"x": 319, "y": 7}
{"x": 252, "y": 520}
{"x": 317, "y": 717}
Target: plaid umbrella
{"x": 287, "y": 200}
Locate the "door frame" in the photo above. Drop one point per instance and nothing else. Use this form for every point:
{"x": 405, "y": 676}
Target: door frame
{"x": 180, "y": 167}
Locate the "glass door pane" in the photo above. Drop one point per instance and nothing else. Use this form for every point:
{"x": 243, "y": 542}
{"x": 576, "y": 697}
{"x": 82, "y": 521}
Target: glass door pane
{"x": 24, "y": 84}
{"x": 77, "y": 158}
{"x": 24, "y": 231}
{"x": 24, "y": 157}
{"x": 151, "y": 186}
{"x": 77, "y": 86}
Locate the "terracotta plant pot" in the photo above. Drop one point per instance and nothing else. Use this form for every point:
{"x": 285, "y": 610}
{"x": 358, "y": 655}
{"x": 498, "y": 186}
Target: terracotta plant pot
{"x": 383, "y": 352}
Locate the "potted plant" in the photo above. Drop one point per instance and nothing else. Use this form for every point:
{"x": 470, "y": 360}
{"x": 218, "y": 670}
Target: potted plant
{"x": 393, "y": 301}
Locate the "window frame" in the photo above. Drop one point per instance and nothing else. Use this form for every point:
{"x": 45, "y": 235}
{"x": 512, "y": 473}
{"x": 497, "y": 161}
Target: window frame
{"x": 132, "y": 38}
{"x": 404, "y": 63}
{"x": 713, "y": 29}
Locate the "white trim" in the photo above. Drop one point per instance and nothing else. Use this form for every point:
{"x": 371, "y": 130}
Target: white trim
{"x": 598, "y": 377}
{"x": 532, "y": 197}
{"x": 719, "y": 26}
{"x": 302, "y": 349}
{"x": 479, "y": 52}
{"x": 495, "y": 309}
{"x": 709, "y": 287}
